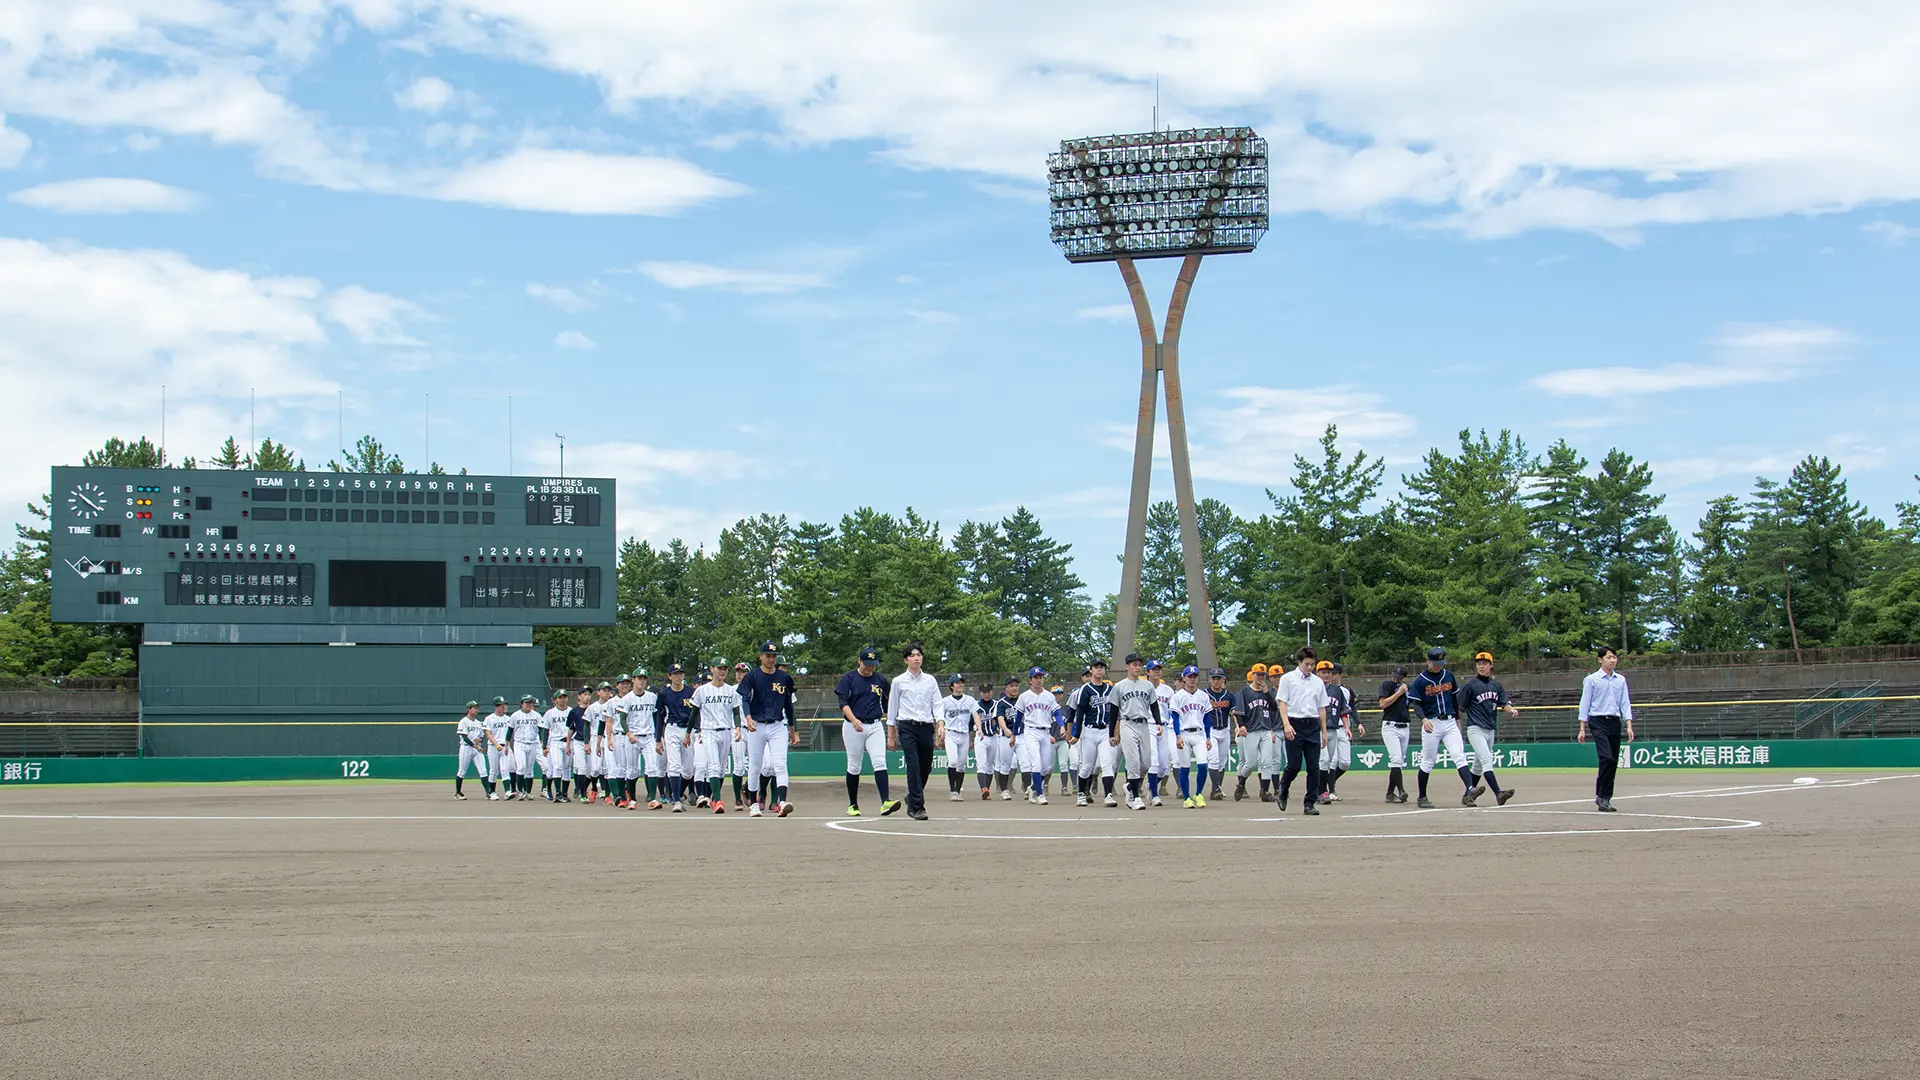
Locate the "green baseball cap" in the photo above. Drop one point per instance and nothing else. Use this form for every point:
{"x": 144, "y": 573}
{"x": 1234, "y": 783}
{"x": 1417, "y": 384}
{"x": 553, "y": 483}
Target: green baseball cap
{"x": 473, "y": 704}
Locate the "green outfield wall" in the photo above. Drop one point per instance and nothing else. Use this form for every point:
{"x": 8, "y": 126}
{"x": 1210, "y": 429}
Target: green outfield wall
{"x": 1783, "y": 754}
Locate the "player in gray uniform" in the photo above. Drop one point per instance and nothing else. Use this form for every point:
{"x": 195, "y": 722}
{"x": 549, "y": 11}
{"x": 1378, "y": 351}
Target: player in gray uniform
{"x": 1137, "y": 709}
{"x": 1481, "y": 700}
{"x": 499, "y": 727}
{"x": 526, "y": 747}
{"x": 1336, "y": 757}
{"x": 1259, "y": 734}
{"x": 473, "y": 749}
{"x": 959, "y": 715}
{"x": 556, "y": 767}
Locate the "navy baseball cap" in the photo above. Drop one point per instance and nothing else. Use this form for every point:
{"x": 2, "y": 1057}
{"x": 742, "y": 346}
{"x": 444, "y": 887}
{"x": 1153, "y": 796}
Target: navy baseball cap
{"x": 1011, "y": 681}
{"x": 956, "y": 678}
{"x": 868, "y": 656}
{"x": 1189, "y": 670}
{"x": 676, "y": 669}
{"x": 1436, "y": 653}
{"x": 768, "y": 647}
{"x": 1038, "y": 672}
{"x": 1133, "y": 658}
{"x": 1217, "y": 673}
{"x": 1336, "y": 668}
{"x": 1400, "y": 671}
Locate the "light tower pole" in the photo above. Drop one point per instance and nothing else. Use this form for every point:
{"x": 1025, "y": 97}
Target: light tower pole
{"x": 1157, "y": 195}
{"x": 1308, "y": 623}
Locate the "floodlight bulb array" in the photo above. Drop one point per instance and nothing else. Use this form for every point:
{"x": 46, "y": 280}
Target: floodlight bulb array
{"x": 1159, "y": 194}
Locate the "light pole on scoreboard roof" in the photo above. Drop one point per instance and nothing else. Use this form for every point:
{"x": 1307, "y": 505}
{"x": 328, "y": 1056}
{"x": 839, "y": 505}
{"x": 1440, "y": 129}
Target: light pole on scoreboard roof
{"x": 1160, "y": 195}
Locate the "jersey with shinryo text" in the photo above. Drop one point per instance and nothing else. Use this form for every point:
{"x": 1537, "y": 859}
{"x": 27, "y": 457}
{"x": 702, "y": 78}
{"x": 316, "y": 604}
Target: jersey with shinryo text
{"x": 957, "y": 713}
{"x": 718, "y": 706}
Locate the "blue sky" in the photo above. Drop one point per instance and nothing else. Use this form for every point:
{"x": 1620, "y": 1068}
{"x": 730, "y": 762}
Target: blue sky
{"x": 757, "y": 257}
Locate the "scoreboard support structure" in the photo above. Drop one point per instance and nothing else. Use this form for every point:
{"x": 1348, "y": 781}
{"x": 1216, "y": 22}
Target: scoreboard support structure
{"x": 323, "y": 613}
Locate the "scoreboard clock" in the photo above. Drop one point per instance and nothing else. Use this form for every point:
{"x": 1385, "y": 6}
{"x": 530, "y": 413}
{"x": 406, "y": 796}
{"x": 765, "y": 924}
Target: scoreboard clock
{"x": 229, "y": 546}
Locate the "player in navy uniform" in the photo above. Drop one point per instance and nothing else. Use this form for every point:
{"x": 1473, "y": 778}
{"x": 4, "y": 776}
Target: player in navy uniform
{"x": 672, "y": 728}
{"x": 1220, "y": 702}
{"x": 1091, "y": 731}
{"x": 766, "y": 697}
{"x": 1433, "y": 694}
{"x": 1481, "y": 700}
{"x": 862, "y": 694}
{"x": 994, "y": 763}
{"x": 1343, "y": 726}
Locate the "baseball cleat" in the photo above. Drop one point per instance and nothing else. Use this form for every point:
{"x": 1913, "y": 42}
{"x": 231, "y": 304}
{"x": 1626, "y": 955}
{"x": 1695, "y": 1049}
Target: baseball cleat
{"x": 1200, "y": 801}
{"x": 1239, "y": 793}
{"x": 955, "y": 797}
{"x": 1478, "y": 789}
{"x": 1266, "y": 796}
{"x": 719, "y": 808}
{"x": 1325, "y": 797}
{"x": 1006, "y": 796}
{"x": 1331, "y": 797}
{"x": 1111, "y": 801}
{"x": 739, "y": 804}
{"x": 1504, "y": 796}
{"x": 1080, "y": 800}
{"x": 1426, "y": 803}
{"x": 459, "y": 796}
{"x": 703, "y": 802}
{"x": 653, "y": 804}
{"x": 1136, "y": 803}
{"x": 1311, "y": 810}
{"x": 1188, "y": 803}
{"x": 888, "y": 806}
{"x": 985, "y": 794}
{"x": 917, "y": 815}
{"x": 1281, "y": 800}
{"x": 1393, "y": 796}
{"x": 784, "y": 809}
{"x": 1156, "y": 800}
{"x": 1040, "y": 800}
{"x": 491, "y": 797}
{"x": 853, "y": 811}
{"x": 1605, "y": 806}
{"x": 1469, "y": 798}
{"x": 753, "y": 811}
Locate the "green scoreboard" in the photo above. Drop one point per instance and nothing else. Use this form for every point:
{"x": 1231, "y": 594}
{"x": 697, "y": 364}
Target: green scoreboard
{"x": 238, "y": 548}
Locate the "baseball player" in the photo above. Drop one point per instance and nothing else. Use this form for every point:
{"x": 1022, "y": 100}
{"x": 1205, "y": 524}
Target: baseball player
{"x": 526, "y": 747}
{"x": 1219, "y": 728}
{"x": 1301, "y": 702}
{"x": 596, "y": 758}
{"x": 1258, "y": 732}
{"x": 1063, "y": 745}
{"x": 646, "y": 759}
{"x": 862, "y": 694}
{"x": 557, "y": 767}
{"x": 671, "y": 728}
{"x": 1481, "y": 700}
{"x": 739, "y": 751}
{"x": 1190, "y": 737}
{"x": 766, "y": 699}
{"x": 1034, "y": 713}
{"x": 1337, "y": 755}
{"x": 617, "y": 747}
{"x": 1394, "y": 718}
{"x": 960, "y": 714}
{"x": 994, "y": 757}
{"x": 1093, "y": 734}
{"x": 473, "y": 749}
{"x": 499, "y": 738}
{"x": 1161, "y": 750}
{"x": 1138, "y": 708}
{"x": 1433, "y": 694}
{"x": 719, "y": 707}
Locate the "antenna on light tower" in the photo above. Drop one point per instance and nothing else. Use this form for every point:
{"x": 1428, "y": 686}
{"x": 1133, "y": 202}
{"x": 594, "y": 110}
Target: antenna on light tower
{"x": 563, "y": 453}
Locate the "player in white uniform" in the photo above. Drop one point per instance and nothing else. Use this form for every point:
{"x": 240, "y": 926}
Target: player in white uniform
{"x": 719, "y": 707}
{"x": 959, "y": 714}
{"x": 647, "y": 760}
{"x": 1138, "y": 709}
{"x": 739, "y": 748}
{"x": 616, "y": 746}
{"x": 526, "y": 747}
{"x": 589, "y": 761}
{"x": 1064, "y": 753}
{"x": 1035, "y": 712}
{"x": 1192, "y": 742}
{"x": 556, "y": 768}
{"x": 499, "y": 738}
{"x": 1160, "y": 768}
{"x": 473, "y": 749}
{"x": 1000, "y": 740}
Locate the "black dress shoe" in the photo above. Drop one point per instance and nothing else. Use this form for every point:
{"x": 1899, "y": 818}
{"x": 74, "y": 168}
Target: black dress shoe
{"x": 917, "y": 815}
{"x": 1606, "y": 807}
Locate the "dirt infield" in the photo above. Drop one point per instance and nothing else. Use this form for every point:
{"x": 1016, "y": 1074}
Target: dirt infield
{"x": 1752, "y": 928}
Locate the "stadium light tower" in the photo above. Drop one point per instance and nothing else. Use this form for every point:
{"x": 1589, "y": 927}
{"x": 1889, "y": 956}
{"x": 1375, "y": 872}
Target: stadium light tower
{"x": 1160, "y": 195}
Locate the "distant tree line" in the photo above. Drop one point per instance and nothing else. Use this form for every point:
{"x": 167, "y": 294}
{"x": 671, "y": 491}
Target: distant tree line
{"x": 1486, "y": 545}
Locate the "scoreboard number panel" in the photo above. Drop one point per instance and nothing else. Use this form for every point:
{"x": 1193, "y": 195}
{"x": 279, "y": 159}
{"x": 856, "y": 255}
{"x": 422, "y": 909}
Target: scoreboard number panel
{"x": 220, "y": 546}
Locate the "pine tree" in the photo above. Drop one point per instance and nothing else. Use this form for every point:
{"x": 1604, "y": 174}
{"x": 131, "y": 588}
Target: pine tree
{"x": 1628, "y": 539}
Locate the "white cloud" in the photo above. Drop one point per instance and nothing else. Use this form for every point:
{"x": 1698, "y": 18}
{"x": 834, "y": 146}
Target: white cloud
{"x": 1748, "y": 353}
{"x": 933, "y": 318}
{"x": 1254, "y": 440}
{"x": 426, "y": 94}
{"x": 559, "y": 296}
{"x": 1489, "y": 118}
{"x": 105, "y": 195}
{"x": 574, "y": 339}
{"x": 372, "y": 318}
{"x": 14, "y": 144}
{"x": 89, "y": 335}
{"x": 1891, "y": 233}
{"x": 1110, "y": 312}
{"x": 694, "y": 275}
{"x": 576, "y": 182}
{"x": 1098, "y": 503}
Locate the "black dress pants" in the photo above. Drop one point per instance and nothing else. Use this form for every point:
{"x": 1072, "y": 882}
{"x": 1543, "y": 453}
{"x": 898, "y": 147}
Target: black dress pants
{"x": 916, "y": 745}
{"x": 1303, "y": 752}
{"x": 1605, "y": 732}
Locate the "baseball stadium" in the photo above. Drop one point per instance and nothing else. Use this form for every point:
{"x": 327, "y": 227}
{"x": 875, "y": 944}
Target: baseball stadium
{"x": 1451, "y": 604}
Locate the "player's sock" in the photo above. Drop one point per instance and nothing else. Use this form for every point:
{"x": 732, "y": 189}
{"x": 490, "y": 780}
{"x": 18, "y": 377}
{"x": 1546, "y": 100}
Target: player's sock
{"x": 1466, "y": 776}
{"x": 853, "y": 790}
{"x": 456, "y": 784}
{"x": 986, "y": 781}
{"x": 1133, "y": 788}
{"x": 1266, "y": 787}
{"x": 1492, "y": 784}
{"x": 779, "y": 793}
{"x": 1423, "y": 782}
{"x": 1394, "y": 782}
{"x": 1186, "y": 791}
{"x": 738, "y": 780}
{"x": 880, "y": 783}
{"x": 1201, "y": 787}
{"x": 953, "y": 780}
{"x": 1153, "y": 784}
{"x": 1107, "y": 782}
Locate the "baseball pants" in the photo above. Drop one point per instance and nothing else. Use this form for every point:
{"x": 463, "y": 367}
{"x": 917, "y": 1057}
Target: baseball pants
{"x": 583, "y": 760}
{"x": 1161, "y": 750}
{"x": 1216, "y": 759}
{"x": 472, "y": 757}
{"x": 1444, "y": 731}
{"x": 736, "y": 752}
{"x": 678, "y": 748}
{"x": 1396, "y": 738}
{"x": 647, "y": 760}
{"x": 1035, "y": 750}
{"x": 497, "y": 763}
{"x": 522, "y": 758}
{"x": 869, "y": 745}
{"x": 1481, "y": 739}
{"x": 999, "y": 755}
{"x": 1192, "y": 748}
{"x": 1338, "y": 752}
{"x": 1097, "y": 753}
{"x": 959, "y": 746}
{"x": 1136, "y": 741}
{"x": 767, "y": 753}
{"x": 1062, "y": 757}
{"x": 559, "y": 763}
{"x": 1259, "y": 753}
{"x": 713, "y": 749}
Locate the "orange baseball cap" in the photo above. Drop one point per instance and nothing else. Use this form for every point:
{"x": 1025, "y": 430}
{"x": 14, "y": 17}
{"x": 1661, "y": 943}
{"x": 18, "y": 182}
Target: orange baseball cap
{"x": 1257, "y": 669}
